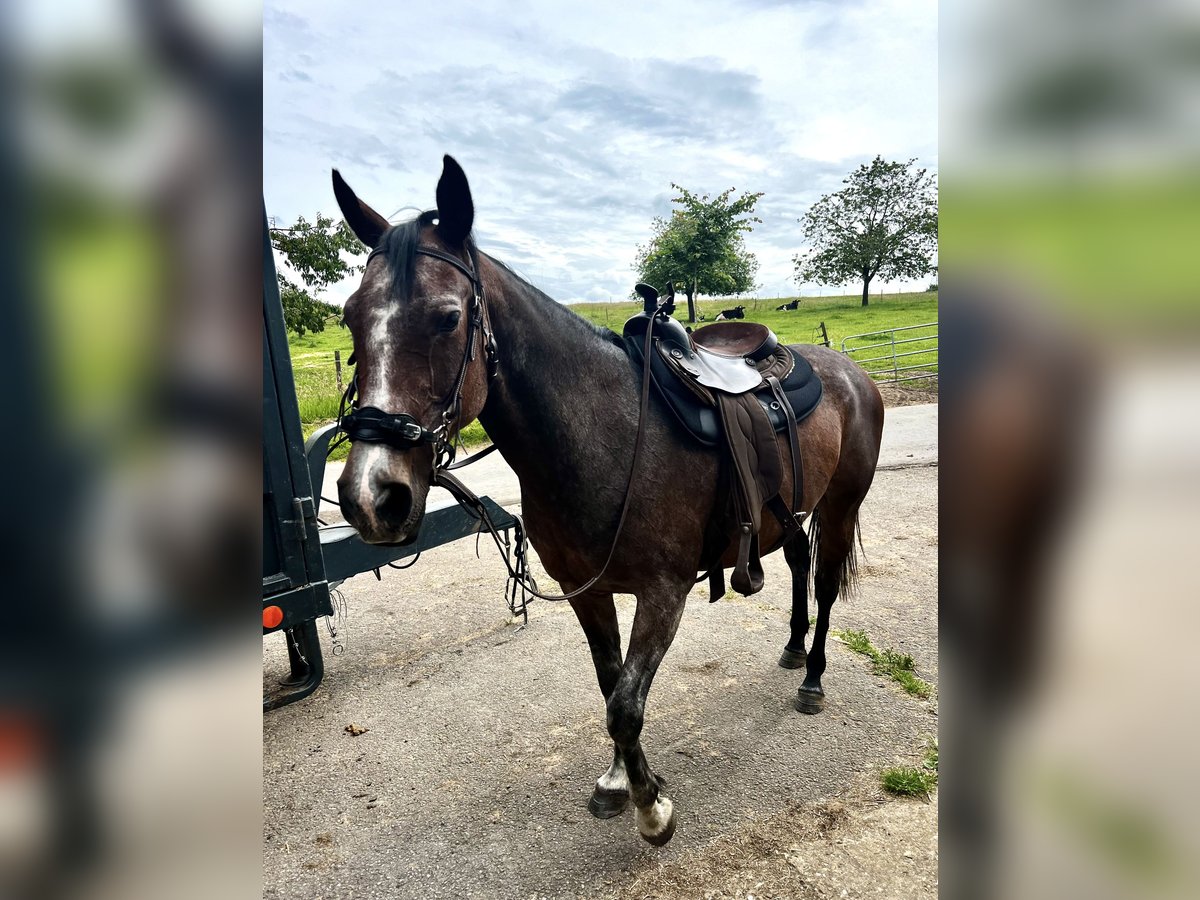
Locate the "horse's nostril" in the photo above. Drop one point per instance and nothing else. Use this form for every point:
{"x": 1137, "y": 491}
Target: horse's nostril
{"x": 393, "y": 503}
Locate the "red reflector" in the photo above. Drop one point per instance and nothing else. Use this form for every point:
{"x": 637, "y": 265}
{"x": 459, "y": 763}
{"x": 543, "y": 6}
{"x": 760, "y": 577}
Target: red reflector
{"x": 272, "y": 616}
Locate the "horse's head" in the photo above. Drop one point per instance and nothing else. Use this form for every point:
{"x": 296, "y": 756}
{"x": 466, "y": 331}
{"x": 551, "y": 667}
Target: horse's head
{"x": 420, "y": 335}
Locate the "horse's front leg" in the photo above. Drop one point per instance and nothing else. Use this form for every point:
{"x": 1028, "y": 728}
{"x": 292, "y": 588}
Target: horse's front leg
{"x": 598, "y": 617}
{"x": 658, "y": 613}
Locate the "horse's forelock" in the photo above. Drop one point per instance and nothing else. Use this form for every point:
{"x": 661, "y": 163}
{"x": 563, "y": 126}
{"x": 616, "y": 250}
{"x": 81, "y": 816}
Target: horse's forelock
{"x": 398, "y": 249}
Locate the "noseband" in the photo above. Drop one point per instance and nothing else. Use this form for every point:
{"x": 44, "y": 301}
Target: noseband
{"x": 402, "y": 430}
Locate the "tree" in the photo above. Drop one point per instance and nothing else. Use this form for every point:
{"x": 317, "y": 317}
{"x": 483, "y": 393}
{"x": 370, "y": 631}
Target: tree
{"x": 314, "y": 252}
{"x": 701, "y": 246}
{"x": 884, "y": 222}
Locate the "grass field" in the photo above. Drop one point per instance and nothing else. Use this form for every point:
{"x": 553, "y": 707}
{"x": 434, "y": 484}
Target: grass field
{"x": 316, "y": 386}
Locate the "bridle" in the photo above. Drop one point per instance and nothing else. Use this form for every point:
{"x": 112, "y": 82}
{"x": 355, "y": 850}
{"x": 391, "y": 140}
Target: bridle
{"x": 403, "y": 431}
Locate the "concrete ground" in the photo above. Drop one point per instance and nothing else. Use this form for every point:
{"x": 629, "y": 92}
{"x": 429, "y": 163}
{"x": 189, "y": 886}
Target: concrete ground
{"x": 451, "y": 753}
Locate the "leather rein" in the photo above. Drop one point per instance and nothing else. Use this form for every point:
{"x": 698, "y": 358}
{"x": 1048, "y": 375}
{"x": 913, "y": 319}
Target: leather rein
{"x": 403, "y": 431}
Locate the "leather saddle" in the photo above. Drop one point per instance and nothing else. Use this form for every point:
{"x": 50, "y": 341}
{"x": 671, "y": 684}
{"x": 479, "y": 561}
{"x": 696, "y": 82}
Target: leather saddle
{"x": 732, "y": 386}
{"x": 730, "y": 357}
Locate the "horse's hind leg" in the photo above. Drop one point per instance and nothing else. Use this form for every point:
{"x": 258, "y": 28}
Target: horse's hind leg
{"x": 834, "y": 526}
{"x": 598, "y": 616}
{"x": 658, "y": 613}
{"x": 796, "y": 553}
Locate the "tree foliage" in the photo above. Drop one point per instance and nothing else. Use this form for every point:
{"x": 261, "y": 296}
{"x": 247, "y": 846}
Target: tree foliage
{"x": 700, "y": 246}
{"x": 314, "y": 252}
{"x": 884, "y": 222}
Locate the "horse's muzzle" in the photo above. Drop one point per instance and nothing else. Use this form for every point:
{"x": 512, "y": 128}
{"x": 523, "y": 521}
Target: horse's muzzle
{"x": 379, "y": 496}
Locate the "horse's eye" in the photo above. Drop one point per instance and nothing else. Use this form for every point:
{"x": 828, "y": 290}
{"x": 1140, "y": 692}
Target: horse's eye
{"x": 450, "y": 321}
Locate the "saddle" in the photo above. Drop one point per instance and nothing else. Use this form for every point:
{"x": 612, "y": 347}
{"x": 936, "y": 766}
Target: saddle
{"x": 731, "y": 385}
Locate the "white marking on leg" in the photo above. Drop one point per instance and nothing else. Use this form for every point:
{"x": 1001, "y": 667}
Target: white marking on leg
{"x": 616, "y": 778}
{"x": 654, "y": 820}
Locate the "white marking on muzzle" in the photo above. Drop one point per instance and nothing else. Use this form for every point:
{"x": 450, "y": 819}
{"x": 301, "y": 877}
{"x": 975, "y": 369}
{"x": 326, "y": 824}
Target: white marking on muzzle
{"x": 369, "y": 458}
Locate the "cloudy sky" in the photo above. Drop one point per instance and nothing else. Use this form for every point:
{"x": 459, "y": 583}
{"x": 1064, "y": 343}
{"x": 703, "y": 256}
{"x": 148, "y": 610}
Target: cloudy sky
{"x": 572, "y": 120}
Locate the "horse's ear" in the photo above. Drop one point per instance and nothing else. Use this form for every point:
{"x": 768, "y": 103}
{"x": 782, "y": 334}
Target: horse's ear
{"x": 670, "y": 290}
{"x": 368, "y": 226}
{"x": 456, "y": 212}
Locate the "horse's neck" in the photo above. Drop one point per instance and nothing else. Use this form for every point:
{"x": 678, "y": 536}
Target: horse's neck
{"x": 565, "y": 405}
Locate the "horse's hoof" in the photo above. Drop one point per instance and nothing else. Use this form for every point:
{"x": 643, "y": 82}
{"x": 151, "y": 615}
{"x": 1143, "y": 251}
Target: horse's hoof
{"x": 606, "y": 804}
{"x": 793, "y": 659}
{"x": 657, "y": 823}
{"x": 809, "y": 701}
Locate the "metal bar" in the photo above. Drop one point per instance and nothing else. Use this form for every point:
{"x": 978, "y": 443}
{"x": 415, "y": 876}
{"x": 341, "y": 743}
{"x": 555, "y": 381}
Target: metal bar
{"x": 906, "y": 369}
{"x": 906, "y": 353}
{"x": 346, "y": 554}
{"x": 887, "y": 369}
{"x": 863, "y": 362}
{"x": 863, "y": 347}
{"x": 932, "y": 377}
{"x": 891, "y": 331}
{"x": 916, "y": 340}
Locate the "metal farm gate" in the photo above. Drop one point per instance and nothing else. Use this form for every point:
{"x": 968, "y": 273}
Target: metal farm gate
{"x": 915, "y": 360}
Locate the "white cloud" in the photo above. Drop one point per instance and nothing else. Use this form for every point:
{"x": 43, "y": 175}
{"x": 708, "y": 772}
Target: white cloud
{"x": 572, "y": 123}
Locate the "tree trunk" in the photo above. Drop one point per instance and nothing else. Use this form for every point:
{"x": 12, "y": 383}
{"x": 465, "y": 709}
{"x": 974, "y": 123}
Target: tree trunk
{"x": 691, "y": 295}
{"x": 866, "y": 289}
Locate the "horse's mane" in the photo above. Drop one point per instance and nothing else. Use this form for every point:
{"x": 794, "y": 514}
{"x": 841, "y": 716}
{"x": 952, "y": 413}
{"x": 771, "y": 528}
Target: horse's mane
{"x": 398, "y": 246}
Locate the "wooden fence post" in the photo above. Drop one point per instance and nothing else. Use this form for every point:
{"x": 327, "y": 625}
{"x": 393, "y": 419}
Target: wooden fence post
{"x": 337, "y": 365}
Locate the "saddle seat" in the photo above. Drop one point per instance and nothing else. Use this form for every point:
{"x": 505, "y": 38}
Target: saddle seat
{"x": 736, "y": 339}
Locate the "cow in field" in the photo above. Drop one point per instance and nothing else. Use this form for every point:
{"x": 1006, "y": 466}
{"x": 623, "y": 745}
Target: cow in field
{"x": 738, "y": 312}
{"x": 795, "y": 304}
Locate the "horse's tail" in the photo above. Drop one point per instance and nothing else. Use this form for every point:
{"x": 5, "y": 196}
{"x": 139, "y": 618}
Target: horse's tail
{"x": 847, "y": 570}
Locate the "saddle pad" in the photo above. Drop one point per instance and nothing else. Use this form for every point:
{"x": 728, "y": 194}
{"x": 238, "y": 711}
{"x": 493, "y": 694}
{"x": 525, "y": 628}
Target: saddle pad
{"x": 801, "y": 386}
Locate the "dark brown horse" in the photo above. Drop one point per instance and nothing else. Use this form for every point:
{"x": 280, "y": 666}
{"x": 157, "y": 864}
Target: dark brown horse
{"x": 563, "y": 409}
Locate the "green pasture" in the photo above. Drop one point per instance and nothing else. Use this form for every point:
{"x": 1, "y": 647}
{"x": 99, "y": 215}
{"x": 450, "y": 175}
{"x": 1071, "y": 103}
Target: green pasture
{"x": 316, "y": 382}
